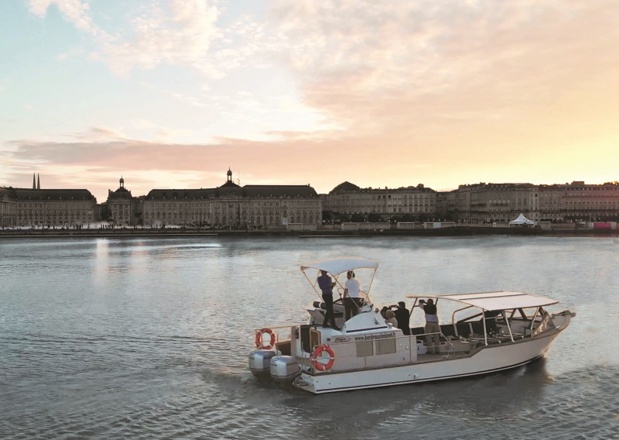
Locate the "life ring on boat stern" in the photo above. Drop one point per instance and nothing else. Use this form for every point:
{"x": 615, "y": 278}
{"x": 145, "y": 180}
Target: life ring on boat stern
{"x": 316, "y": 356}
{"x": 260, "y": 339}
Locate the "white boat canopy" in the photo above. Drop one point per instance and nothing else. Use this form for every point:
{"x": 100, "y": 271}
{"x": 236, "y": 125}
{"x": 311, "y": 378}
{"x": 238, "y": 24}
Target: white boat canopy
{"x": 495, "y": 300}
{"x": 336, "y": 266}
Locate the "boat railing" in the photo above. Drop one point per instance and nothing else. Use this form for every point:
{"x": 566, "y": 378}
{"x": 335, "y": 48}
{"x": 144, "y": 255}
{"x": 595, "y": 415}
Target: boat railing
{"x": 273, "y": 337}
{"x": 450, "y": 348}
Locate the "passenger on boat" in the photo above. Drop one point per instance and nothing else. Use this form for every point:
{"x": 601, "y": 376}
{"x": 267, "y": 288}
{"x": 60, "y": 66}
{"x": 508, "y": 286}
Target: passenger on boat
{"x": 403, "y": 316}
{"x": 391, "y": 318}
{"x": 432, "y": 328}
{"x": 352, "y": 288}
{"x": 383, "y": 312}
{"x": 326, "y": 284}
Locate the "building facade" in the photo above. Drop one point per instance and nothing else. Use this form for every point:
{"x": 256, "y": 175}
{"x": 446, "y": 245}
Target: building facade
{"x": 490, "y": 202}
{"x": 412, "y": 202}
{"x": 47, "y": 207}
{"x": 502, "y": 202}
{"x": 578, "y": 201}
{"x": 122, "y": 207}
{"x": 230, "y": 205}
{"x": 278, "y": 206}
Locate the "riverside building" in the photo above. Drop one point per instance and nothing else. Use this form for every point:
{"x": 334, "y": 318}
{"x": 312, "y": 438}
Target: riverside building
{"x": 490, "y": 202}
{"x": 250, "y": 206}
{"x": 121, "y": 207}
{"x": 300, "y": 207}
{"x": 349, "y": 200}
{"x": 578, "y": 201}
{"x": 38, "y": 207}
{"x": 502, "y": 202}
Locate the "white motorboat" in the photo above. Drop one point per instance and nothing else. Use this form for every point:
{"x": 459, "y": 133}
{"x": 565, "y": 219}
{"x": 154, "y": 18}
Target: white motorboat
{"x": 488, "y": 332}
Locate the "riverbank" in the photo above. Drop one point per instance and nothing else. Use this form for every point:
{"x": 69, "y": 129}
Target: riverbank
{"x": 458, "y": 230}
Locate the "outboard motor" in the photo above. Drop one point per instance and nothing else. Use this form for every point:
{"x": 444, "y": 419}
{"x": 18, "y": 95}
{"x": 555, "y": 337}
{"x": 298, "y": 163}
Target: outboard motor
{"x": 259, "y": 362}
{"x": 284, "y": 369}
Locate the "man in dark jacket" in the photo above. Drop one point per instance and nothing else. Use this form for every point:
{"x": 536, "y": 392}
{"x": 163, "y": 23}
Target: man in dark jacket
{"x": 402, "y": 315}
{"x": 326, "y": 284}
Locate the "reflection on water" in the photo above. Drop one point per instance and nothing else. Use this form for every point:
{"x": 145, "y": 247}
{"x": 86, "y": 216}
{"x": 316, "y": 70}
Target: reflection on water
{"x": 141, "y": 338}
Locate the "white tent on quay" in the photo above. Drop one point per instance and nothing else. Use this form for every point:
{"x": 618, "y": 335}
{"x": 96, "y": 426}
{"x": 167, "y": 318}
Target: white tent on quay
{"x": 521, "y": 220}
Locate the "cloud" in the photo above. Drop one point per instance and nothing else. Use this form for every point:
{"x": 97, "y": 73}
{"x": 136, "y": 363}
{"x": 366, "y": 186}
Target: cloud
{"x": 174, "y": 32}
{"x": 100, "y": 153}
{"x": 379, "y": 67}
{"x": 99, "y": 134}
{"x": 75, "y": 11}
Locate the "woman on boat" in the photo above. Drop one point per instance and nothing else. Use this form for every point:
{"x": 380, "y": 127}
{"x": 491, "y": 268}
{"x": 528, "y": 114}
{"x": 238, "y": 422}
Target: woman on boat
{"x": 390, "y": 315}
{"x": 432, "y": 328}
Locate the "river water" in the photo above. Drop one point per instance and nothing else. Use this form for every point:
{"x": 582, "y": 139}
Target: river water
{"x": 148, "y": 338}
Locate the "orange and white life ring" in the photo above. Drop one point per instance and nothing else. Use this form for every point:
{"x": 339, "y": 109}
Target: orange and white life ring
{"x": 316, "y": 357}
{"x": 260, "y": 343}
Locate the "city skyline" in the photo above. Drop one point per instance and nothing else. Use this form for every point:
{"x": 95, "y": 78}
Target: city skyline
{"x": 170, "y": 94}
{"x": 36, "y": 184}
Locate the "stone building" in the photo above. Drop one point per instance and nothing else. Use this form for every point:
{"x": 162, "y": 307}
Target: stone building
{"x": 7, "y": 210}
{"x": 230, "y": 205}
{"x": 578, "y": 201}
{"x": 46, "y": 207}
{"x": 413, "y": 202}
{"x": 490, "y": 202}
{"x": 122, "y": 208}
{"x": 502, "y": 202}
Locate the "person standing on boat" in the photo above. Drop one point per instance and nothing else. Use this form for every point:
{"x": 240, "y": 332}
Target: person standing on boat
{"x": 432, "y": 328}
{"x": 403, "y": 316}
{"x": 390, "y": 318}
{"x": 352, "y": 289}
{"x": 326, "y": 284}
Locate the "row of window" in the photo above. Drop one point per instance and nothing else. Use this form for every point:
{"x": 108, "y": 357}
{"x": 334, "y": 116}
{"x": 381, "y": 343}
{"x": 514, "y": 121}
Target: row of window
{"x": 55, "y": 205}
{"x": 231, "y": 203}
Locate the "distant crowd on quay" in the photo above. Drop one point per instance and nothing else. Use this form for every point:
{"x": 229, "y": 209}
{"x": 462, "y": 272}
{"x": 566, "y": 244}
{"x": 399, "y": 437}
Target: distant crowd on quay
{"x": 347, "y": 208}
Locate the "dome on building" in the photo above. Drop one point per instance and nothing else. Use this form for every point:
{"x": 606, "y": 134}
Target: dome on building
{"x": 343, "y": 187}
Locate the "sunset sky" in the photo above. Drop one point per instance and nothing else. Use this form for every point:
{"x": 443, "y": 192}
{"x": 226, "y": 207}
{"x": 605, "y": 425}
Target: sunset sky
{"x": 170, "y": 94}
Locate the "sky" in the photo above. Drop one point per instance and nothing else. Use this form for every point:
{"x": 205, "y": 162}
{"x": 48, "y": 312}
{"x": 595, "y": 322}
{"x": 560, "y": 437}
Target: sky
{"x": 172, "y": 94}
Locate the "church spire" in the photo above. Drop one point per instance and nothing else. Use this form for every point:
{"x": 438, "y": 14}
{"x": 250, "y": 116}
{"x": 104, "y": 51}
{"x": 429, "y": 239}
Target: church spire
{"x": 38, "y": 181}
{"x": 34, "y": 183}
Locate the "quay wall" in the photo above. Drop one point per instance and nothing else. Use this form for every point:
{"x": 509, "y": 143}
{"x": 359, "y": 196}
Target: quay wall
{"x": 458, "y": 230}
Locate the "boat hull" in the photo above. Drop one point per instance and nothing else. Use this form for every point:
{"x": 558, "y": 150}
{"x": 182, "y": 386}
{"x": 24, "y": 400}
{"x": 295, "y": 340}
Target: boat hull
{"x": 487, "y": 360}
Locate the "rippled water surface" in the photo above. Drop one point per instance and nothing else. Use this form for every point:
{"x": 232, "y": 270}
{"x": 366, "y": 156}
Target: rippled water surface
{"x": 149, "y": 339}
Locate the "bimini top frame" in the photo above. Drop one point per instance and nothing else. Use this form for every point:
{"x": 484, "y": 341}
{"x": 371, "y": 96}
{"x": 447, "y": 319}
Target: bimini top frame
{"x": 492, "y": 301}
{"x": 336, "y": 267}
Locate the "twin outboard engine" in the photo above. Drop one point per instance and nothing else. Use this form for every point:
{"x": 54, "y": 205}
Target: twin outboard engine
{"x": 266, "y": 363}
{"x": 284, "y": 369}
{"x": 260, "y": 361}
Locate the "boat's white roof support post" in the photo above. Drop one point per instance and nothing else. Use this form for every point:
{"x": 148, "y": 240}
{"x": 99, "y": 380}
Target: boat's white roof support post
{"x": 509, "y": 326}
{"x": 483, "y": 320}
{"x": 313, "y": 283}
{"x": 533, "y": 320}
{"x": 453, "y": 315}
{"x": 367, "y": 292}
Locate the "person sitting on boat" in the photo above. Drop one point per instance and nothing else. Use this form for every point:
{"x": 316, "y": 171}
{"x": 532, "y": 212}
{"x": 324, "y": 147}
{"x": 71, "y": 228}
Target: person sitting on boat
{"x": 326, "y": 284}
{"x": 352, "y": 289}
{"x": 403, "y": 316}
{"x": 432, "y": 328}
